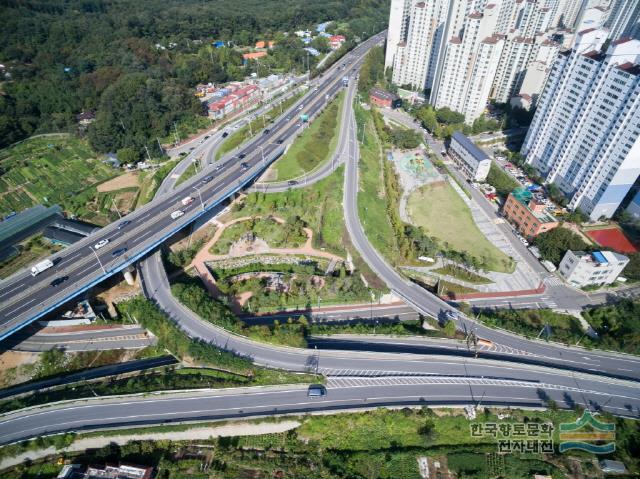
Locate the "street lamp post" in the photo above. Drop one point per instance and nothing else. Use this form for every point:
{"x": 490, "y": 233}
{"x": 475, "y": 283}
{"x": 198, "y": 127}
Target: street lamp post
{"x": 262, "y": 152}
{"x": 200, "y": 195}
{"x": 98, "y": 258}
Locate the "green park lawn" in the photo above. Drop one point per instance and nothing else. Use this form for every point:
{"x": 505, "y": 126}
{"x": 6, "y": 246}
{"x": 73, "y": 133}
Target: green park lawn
{"x": 315, "y": 146}
{"x": 48, "y": 170}
{"x": 443, "y": 214}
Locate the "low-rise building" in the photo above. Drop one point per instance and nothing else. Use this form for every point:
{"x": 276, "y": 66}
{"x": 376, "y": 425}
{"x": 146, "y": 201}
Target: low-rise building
{"x": 473, "y": 162}
{"x": 384, "y": 99}
{"x": 612, "y": 467}
{"x": 336, "y": 41}
{"x": 597, "y": 268}
{"x": 528, "y": 215}
{"x": 233, "y": 102}
{"x": 253, "y": 56}
{"x": 109, "y": 471}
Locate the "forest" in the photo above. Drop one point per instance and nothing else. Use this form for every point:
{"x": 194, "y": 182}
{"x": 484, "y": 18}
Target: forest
{"x": 135, "y": 63}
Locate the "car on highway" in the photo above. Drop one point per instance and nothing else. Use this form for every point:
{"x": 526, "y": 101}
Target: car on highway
{"x": 266, "y": 131}
{"x": 58, "y": 281}
{"x": 316, "y": 390}
{"x": 177, "y": 214}
{"x": 101, "y": 243}
{"x": 225, "y": 134}
{"x": 242, "y": 155}
{"x": 124, "y": 224}
{"x": 218, "y": 167}
{"x": 280, "y": 141}
{"x": 292, "y": 182}
{"x": 207, "y": 179}
{"x": 244, "y": 166}
{"x": 119, "y": 252}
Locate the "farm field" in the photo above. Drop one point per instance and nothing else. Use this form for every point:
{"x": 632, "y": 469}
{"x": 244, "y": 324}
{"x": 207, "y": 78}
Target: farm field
{"x": 48, "y": 170}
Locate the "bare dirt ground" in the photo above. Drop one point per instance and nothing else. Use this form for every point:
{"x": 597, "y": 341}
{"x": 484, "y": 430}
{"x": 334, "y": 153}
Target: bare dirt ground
{"x": 123, "y": 181}
{"x": 15, "y": 367}
{"x": 205, "y": 233}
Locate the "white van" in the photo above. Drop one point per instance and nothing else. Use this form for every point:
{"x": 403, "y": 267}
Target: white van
{"x": 176, "y": 214}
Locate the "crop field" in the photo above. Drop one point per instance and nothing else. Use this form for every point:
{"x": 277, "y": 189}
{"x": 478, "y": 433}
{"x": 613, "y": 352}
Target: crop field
{"x": 48, "y": 170}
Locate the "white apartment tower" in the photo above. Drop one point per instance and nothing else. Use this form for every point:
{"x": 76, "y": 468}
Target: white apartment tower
{"x": 469, "y": 65}
{"x": 624, "y": 19}
{"x": 414, "y": 39}
{"x": 585, "y": 135}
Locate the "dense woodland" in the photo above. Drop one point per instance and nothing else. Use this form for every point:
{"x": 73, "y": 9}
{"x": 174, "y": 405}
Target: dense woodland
{"x": 66, "y": 57}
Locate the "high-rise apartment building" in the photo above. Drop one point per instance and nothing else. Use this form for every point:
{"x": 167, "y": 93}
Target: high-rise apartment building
{"x": 469, "y": 64}
{"x": 585, "y": 135}
{"x": 415, "y": 35}
{"x": 624, "y": 19}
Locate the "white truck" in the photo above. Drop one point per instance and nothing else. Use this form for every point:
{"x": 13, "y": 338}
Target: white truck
{"x": 187, "y": 201}
{"x": 176, "y": 214}
{"x": 41, "y": 266}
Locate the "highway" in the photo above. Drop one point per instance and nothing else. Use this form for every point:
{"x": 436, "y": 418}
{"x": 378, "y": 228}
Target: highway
{"x": 25, "y": 298}
{"x": 358, "y": 378}
{"x": 342, "y": 394}
{"x": 324, "y": 169}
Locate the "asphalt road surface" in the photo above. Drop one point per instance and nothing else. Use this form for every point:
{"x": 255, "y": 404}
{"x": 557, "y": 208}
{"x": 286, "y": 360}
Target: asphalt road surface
{"x": 342, "y": 394}
{"x": 25, "y": 298}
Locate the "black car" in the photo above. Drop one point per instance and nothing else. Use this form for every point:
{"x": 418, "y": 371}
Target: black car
{"x": 280, "y": 141}
{"x": 124, "y": 224}
{"x": 59, "y": 281}
{"x": 292, "y": 182}
{"x": 206, "y": 137}
{"x": 266, "y": 130}
{"x": 242, "y": 155}
{"x": 225, "y": 134}
{"x": 207, "y": 179}
{"x": 244, "y": 166}
{"x": 119, "y": 251}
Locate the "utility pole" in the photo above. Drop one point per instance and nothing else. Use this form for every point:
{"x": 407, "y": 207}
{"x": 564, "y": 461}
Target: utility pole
{"x": 175, "y": 133}
{"x": 160, "y": 146}
{"x": 147, "y": 150}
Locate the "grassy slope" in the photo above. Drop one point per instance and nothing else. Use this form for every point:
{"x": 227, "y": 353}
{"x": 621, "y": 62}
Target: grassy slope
{"x": 443, "y": 214}
{"x": 315, "y": 146}
{"x": 371, "y": 203}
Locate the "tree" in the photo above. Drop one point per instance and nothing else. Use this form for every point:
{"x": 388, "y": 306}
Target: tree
{"x": 427, "y": 116}
{"x": 555, "y": 243}
{"x": 128, "y": 156}
{"x": 449, "y": 117}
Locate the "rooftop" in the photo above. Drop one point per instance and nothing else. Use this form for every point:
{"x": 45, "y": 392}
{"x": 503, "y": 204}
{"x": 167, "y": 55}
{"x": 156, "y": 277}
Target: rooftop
{"x": 383, "y": 94}
{"x": 470, "y": 146}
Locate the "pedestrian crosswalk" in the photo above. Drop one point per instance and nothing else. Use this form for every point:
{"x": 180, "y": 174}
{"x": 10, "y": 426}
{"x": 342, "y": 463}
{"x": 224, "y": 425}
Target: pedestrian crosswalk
{"x": 553, "y": 281}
